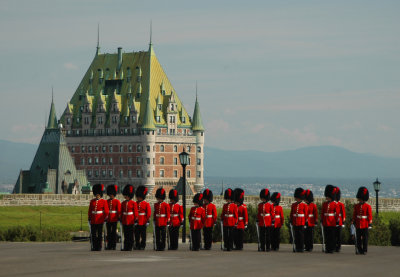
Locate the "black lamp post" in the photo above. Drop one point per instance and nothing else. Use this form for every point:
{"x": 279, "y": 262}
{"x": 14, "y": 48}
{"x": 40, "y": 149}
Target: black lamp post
{"x": 184, "y": 159}
{"x": 377, "y": 187}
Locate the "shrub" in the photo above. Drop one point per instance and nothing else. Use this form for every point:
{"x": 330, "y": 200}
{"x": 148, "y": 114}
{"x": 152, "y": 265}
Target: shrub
{"x": 29, "y": 233}
{"x": 380, "y": 233}
{"x": 394, "y": 226}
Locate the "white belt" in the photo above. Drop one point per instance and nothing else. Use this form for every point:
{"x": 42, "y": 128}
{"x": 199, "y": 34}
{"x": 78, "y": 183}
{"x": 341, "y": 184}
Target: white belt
{"x": 142, "y": 213}
{"x": 240, "y": 218}
{"x": 326, "y": 214}
{"x": 128, "y": 213}
{"x": 362, "y": 216}
{"x": 196, "y": 218}
{"x": 209, "y": 216}
{"x": 229, "y": 215}
{"x": 113, "y": 212}
{"x": 277, "y": 216}
{"x": 161, "y": 215}
{"x": 97, "y": 212}
{"x": 340, "y": 214}
{"x": 175, "y": 215}
{"x": 310, "y": 215}
{"x": 299, "y": 215}
{"x": 265, "y": 215}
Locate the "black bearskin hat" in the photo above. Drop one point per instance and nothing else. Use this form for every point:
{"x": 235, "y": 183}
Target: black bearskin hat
{"x": 141, "y": 191}
{"x": 98, "y": 189}
{"x": 198, "y": 198}
{"x": 112, "y": 190}
{"x": 363, "y": 194}
{"x": 208, "y": 195}
{"x": 276, "y": 198}
{"x": 160, "y": 193}
{"x": 337, "y": 195}
{"x": 329, "y": 191}
{"x": 309, "y": 196}
{"x": 239, "y": 195}
{"x": 173, "y": 195}
{"x": 128, "y": 191}
{"x": 299, "y": 193}
{"x": 228, "y": 195}
{"x": 265, "y": 194}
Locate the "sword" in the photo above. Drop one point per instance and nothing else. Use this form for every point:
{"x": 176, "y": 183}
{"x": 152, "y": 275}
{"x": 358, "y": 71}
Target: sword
{"x": 293, "y": 240}
{"x": 258, "y": 236}
{"x": 353, "y": 229}
{"x": 222, "y": 235}
{"x": 122, "y": 235}
{"x": 323, "y": 238}
{"x": 90, "y": 231}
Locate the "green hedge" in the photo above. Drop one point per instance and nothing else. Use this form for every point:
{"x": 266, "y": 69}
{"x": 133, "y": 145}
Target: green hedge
{"x": 29, "y": 233}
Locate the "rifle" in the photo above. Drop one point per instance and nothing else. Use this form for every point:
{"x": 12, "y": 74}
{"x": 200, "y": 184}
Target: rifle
{"x": 258, "y": 236}
{"x": 122, "y": 236}
{"x": 90, "y": 235}
{"x": 222, "y": 235}
{"x": 154, "y": 236}
{"x": 105, "y": 236}
{"x": 353, "y": 230}
{"x": 323, "y": 238}
{"x": 293, "y": 240}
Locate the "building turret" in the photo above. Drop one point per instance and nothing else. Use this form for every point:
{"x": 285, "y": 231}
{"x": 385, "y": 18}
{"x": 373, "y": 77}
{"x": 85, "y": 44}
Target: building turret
{"x": 198, "y": 131}
{"x": 52, "y": 122}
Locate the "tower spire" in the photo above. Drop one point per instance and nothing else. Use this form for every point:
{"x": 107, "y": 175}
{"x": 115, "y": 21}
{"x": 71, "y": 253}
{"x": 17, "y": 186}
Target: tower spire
{"x": 52, "y": 121}
{"x": 98, "y": 39}
{"x": 197, "y": 124}
{"x": 151, "y": 31}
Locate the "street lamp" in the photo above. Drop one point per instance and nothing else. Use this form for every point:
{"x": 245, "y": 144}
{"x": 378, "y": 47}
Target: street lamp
{"x": 184, "y": 159}
{"x": 377, "y": 187}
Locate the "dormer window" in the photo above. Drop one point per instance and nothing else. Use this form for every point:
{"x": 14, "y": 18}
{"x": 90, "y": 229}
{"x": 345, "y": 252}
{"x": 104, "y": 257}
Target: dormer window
{"x": 68, "y": 120}
{"x": 183, "y": 119}
{"x": 133, "y": 119}
{"x": 100, "y": 120}
{"x": 158, "y": 119}
{"x": 159, "y": 106}
{"x": 172, "y": 107}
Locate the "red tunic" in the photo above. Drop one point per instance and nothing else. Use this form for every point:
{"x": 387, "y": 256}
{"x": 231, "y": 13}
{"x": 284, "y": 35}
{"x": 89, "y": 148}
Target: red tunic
{"x": 176, "y": 214}
{"x": 129, "y": 212}
{"x": 229, "y": 215}
{"x": 161, "y": 215}
{"x": 342, "y": 213}
{"x": 197, "y": 217}
{"x": 329, "y": 214}
{"x": 114, "y": 206}
{"x": 312, "y": 214}
{"x": 144, "y": 212}
{"x": 243, "y": 217}
{"x": 98, "y": 211}
{"x": 265, "y": 214}
{"x": 279, "y": 218}
{"x": 298, "y": 213}
{"x": 211, "y": 215}
{"x": 362, "y": 215}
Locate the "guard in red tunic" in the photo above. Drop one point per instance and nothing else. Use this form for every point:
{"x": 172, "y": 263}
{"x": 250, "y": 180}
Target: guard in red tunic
{"x": 197, "y": 217}
{"x": 144, "y": 214}
{"x": 97, "y": 214}
{"x": 176, "y": 219}
{"x": 114, "y": 206}
{"x": 329, "y": 218}
{"x": 265, "y": 218}
{"x": 362, "y": 219}
{"x": 342, "y": 219}
{"x": 279, "y": 219}
{"x": 229, "y": 218}
{"x": 243, "y": 219}
{"x": 311, "y": 221}
{"x": 129, "y": 215}
{"x": 161, "y": 217}
{"x": 211, "y": 218}
{"x": 298, "y": 214}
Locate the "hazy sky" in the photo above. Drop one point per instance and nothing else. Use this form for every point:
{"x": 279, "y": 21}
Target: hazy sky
{"x": 272, "y": 75}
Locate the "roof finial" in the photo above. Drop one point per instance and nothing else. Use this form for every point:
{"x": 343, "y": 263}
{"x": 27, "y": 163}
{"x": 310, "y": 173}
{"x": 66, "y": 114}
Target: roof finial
{"x": 151, "y": 31}
{"x": 196, "y": 90}
{"x": 52, "y": 94}
{"x": 98, "y": 39}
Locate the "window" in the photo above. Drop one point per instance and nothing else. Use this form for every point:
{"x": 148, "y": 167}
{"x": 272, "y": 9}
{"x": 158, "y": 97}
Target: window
{"x": 90, "y": 149}
{"x": 130, "y": 160}
{"x": 110, "y": 148}
{"x": 100, "y": 120}
{"x": 138, "y": 160}
{"x": 199, "y": 174}
{"x": 162, "y": 160}
{"x": 96, "y": 160}
{"x": 198, "y": 161}
{"x": 138, "y": 173}
{"x": 175, "y": 161}
{"x": 82, "y": 161}
{"x": 162, "y": 173}
{"x": 86, "y": 120}
{"x": 89, "y": 160}
{"x": 103, "y": 160}
{"x": 103, "y": 173}
{"x": 148, "y": 148}
{"x": 139, "y": 148}
{"x": 133, "y": 119}
{"x": 96, "y": 149}
{"x": 89, "y": 173}
{"x": 96, "y": 173}
{"x": 121, "y": 173}
{"x": 148, "y": 174}
{"x": 147, "y": 160}
{"x": 188, "y": 148}
{"x": 158, "y": 131}
{"x": 198, "y": 149}
{"x": 158, "y": 119}
{"x": 183, "y": 119}
{"x": 103, "y": 149}
{"x": 110, "y": 173}
{"x": 162, "y": 148}
{"x": 111, "y": 161}
{"x": 189, "y": 161}
{"x": 130, "y": 148}
{"x": 83, "y": 149}
{"x": 159, "y": 106}
{"x": 188, "y": 173}
{"x": 68, "y": 120}
{"x": 121, "y": 160}
{"x": 129, "y": 173}
{"x": 175, "y": 148}
{"x": 121, "y": 148}
{"x": 72, "y": 149}
{"x": 175, "y": 173}
{"x": 172, "y": 119}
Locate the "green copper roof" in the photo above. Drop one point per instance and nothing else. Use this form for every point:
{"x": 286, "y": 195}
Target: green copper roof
{"x": 52, "y": 122}
{"x": 197, "y": 124}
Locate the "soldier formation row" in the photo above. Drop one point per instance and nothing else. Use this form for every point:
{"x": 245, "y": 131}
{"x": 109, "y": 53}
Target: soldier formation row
{"x": 134, "y": 217}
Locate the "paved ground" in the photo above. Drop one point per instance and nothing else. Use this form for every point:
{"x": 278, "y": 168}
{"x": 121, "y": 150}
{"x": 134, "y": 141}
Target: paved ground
{"x": 75, "y": 259}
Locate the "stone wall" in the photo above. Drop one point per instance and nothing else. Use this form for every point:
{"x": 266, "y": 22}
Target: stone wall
{"x": 385, "y": 204}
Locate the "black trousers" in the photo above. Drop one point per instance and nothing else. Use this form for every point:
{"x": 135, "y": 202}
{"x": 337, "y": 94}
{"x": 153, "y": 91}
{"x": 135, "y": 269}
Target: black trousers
{"x": 207, "y": 237}
{"x": 173, "y": 237}
{"x": 338, "y": 237}
{"x": 196, "y": 239}
{"x": 265, "y": 238}
{"x": 275, "y": 238}
{"x": 299, "y": 238}
{"x": 309, "y": 238}
{"x": 97, "y": 232}
{"x": 362, "y": 240}
{"x": 160, "y": 237}
{"x": 140, "y": 237}
{"x": 128, "y": 237}
{"x": 111, "y": 235}
{"x": 330, "y": 238}
{"x": 238, "y": 238}
{"x": 228, "y": 237}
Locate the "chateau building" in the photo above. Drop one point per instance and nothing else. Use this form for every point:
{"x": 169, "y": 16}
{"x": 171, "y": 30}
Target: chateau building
{"x": 126, "y": 124}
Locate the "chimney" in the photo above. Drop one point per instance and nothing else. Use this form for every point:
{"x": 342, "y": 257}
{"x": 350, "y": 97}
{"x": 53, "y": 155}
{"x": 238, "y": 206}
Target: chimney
{"x": 119, "y": 58}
